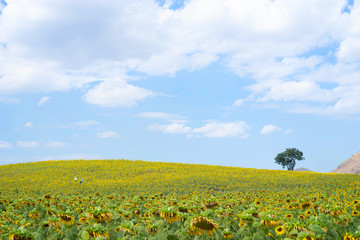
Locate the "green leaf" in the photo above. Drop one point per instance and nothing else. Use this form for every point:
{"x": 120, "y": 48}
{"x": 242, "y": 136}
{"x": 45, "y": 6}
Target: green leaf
{"x": 293, "y": 232}
{"x": 258, "y": 236}
{"x": 256, "y": 224}
{"x": 334, "y": 234}
{"x": 84, "y": 235}
{"x": 316, "y": 229}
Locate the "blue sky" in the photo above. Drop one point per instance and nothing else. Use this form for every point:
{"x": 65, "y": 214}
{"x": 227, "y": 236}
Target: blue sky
{"x": 212, "y": 82}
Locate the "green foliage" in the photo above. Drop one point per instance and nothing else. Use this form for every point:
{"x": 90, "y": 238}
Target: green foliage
{"x": 289, "y": 157}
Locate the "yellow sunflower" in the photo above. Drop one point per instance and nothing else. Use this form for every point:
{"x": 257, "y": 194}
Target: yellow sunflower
{"x": 308, "y": 238}
{"x": 279, "y": 230}
{"x": 301, "y": 217}
{"x": 355, "y": 213}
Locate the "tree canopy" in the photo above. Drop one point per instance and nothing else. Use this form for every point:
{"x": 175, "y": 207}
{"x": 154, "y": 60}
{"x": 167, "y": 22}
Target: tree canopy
{"x": 288, "y": 158}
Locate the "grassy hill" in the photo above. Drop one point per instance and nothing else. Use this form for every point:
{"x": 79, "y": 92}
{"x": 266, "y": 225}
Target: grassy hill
{"x": 133, "y": 200}
{"x": 351, "y": 165}
{"x": 133, "y": 177}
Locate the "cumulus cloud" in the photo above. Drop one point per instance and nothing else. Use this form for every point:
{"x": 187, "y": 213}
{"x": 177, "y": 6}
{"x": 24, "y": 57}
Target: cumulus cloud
{"x": 269, "y": 129}
{"x": 116, "y": 94}
{"x": 48, "y": 46}
{"x": 28, "y": 124}
{"x": 81, "y": 124}
{"x": 170, "y": 128}
{"x": 219, "y": 129}
{"x": 5, "y": 145}
{"x": 27, "y": 144}
{"x": 161, "y": 115}
{"x": 211, "y": 130}
{"x": 43, "y": 100}
{"x": 55, "y": 144}
{"x": 107, "y": 134}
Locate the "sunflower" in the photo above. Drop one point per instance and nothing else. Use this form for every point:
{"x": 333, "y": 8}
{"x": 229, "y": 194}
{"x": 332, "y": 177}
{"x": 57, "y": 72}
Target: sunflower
{"x": 211, "y": 204}
{"x": 47, "y": 196}
{"x": 154, "y": 212}
{"x": 126, "y": 228}
{"x": 289, "y": 216}
{"x": 44, "y": 224}
{"x": 290, "y": 207}
{"x": 228, "y": 235}
{"x": 336, "y": 213}
{"x": 301, "y": 217}
{"x": 66, "y": 218}
{"x": 136, "y": 212}
{"x": 343, "y": 221}
{"x": 348, "y": 236}
{"x": 308, "y": 212}
{"x": 35, "y": 215}
{"x": 126, "y": 215}
{"x": 151, "y": 229}
{"x": 183, "y": 209}
{"x": 82, "y": 219}
{"x": 279, "y": 230}
{"x": 305, "y": 205}
{"x": 100, "y": 215}
{"x": 241, "y": 224}
{"x": 54, "y": 222}
{"x": 355, "y": 213}
{"x": 98, "y": 231}
{"x": 308, "y": 238}
{"x": 14, "y": 236}
{"x": 269, "y": 222}
{"x": 169, "y": 215}
{"x": 203, "y": 225}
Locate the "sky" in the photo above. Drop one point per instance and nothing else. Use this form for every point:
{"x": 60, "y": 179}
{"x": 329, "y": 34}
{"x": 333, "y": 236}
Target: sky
{"x": 219, "y": 82}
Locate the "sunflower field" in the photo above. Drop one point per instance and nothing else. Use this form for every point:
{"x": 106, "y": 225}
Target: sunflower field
{"x": 122, "y": 199}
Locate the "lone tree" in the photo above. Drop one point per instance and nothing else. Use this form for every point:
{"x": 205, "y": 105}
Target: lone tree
{"x": 288, "y": 158}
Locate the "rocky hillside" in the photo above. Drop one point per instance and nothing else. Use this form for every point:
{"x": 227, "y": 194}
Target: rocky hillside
{"x": 352, "y": 165}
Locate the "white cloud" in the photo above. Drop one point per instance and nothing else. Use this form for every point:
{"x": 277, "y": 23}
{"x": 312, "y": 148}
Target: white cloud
{"x": 49, "y": 47}
{"x": 107, "y": 134}
{"x": 219, "y": 130}
{"x": 27, "y": 144}
{"x": 9, "y": 100}
{"x": 81, "y": 124}
{"x": 349, "y": 50}
{"x": 86, "y": 124}
{"x": 43, "y": 100}
{"x": 297, "y": 91}
{"x": 116, "y": 94}
{"x": 211, "y": 130}
{"x": 28, "y": 124}
{"x": 55, "y": 144}
{"x": 288, "y": 131}
{"x": 269, "y": 129}
{"x": 170, "y": 128}
{"x": 161, "y": 115}
{"x": 238, "y": 102}
{"x": 5, "y": 145}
